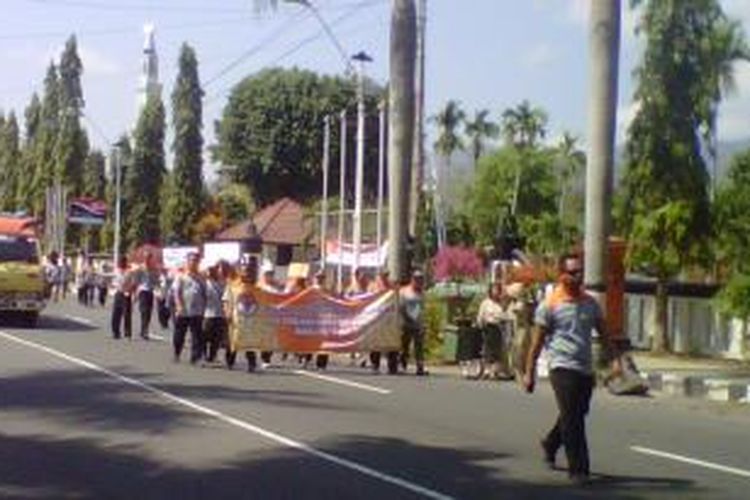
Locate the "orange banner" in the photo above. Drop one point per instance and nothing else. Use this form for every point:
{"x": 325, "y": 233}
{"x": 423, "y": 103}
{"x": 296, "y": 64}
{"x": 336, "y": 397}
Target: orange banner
{"x": 312, "y": 321}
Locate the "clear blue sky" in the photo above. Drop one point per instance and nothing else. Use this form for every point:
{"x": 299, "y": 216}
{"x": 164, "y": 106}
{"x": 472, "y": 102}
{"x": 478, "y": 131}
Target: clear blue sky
{"x": 485, "y": 53}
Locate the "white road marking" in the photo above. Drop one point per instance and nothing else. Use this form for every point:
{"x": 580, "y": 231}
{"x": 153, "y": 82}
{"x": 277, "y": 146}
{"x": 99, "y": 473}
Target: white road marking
{"x": 241, "y": 424}
{"x": 691, "y": 461}
{"x": 341, "y": 381}
{"x": 78, "y": 319}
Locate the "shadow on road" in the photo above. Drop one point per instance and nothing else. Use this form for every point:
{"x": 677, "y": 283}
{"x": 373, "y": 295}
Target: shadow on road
{"x": 48, "y": 468}
{"x": 47, "y": 323}
{"x": 90, "y": 398}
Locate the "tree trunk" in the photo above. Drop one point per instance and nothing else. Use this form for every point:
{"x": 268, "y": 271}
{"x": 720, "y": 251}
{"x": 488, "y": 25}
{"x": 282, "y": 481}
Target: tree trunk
{"x": 604, "y": 49}
{"x": 660, "y": 341}
{"x": 403, "y": 47}
{"x": 417, "y": 166}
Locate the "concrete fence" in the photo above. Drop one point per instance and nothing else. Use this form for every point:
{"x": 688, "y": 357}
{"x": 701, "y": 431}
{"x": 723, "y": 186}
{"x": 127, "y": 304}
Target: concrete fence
{"x": 695, "y": 326}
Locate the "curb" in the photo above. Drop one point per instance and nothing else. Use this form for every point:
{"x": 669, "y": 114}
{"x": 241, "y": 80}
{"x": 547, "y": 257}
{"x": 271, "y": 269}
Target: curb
{"x": 699, "y": 387}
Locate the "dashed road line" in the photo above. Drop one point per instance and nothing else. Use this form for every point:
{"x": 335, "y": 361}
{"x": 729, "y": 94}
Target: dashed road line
{"x": 341, "y": 381}
{"x": 692, "y": 461}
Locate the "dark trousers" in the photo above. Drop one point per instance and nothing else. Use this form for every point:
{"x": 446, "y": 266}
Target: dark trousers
{"x": 181, "y": 326}
{"x": 215, "y": 333}
{"x": 392, "y": 357}
{"x": 146, "y": 307}
{"x": 102, "y": 295}
{"x": 573, "y": 395}
{"x": 411, "y": 335}
{"x": 122, "y": 309}
{"x": 163, "y": 312}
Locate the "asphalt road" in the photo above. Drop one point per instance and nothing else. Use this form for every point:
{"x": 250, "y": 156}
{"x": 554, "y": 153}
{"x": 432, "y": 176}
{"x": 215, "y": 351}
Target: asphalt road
{"x": 86, "y": 416}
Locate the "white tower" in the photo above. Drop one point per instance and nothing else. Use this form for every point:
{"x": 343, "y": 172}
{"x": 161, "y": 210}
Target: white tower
{"x": 149, "y": 80}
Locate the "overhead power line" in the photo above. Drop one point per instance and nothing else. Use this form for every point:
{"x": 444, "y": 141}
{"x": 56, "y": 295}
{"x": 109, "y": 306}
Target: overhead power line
{"x": 305, "y": 41}
{"x": 255, "y": 48}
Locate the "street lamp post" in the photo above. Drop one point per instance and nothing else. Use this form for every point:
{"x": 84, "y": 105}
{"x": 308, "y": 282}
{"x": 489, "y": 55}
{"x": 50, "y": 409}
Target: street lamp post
{"x": 118, "y": 202}
{"x": 342, "y": 203}
{"x": 324, "y": 216}
{"x": 361, "y": 58}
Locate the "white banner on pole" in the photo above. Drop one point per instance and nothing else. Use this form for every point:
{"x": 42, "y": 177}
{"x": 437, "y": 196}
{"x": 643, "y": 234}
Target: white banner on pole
{"x": 370, "y": 255}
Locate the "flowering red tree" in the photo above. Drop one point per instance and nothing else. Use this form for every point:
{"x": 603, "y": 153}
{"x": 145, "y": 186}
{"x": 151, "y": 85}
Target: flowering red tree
{"x": 457, "y": 264}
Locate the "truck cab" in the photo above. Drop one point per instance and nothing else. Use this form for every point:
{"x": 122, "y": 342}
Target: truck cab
{"x": 22, "y": 282}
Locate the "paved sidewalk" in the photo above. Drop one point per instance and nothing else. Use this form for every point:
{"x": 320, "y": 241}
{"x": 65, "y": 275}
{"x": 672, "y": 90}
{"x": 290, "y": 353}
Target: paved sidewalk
{"x": 705, "y": 378}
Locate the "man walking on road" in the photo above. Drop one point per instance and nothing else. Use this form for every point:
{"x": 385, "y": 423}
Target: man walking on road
{"x": 148, "y": 281}
{"x": 190, "y": 305}
{"x": 565, "y": 321}
{"x": 122, "y": 305}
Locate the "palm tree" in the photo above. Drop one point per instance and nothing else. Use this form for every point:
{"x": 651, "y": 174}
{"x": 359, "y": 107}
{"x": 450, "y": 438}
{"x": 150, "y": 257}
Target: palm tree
{"x": 479, "y": 130}
{"x": 523, "y": 127}
{"x": 570, "y": 160}
{"x": 401, "y": 96}
{"x": 448, "y": 120}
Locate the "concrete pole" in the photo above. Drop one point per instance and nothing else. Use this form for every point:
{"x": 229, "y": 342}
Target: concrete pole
{"x": 360, "y": 171}
{"x": 403, "y": 47}
{"x": 324, "y": 211}
{"x": 604, "y": 46}
{"x": 342, "y": 203}
{"x": 381, "y": 172}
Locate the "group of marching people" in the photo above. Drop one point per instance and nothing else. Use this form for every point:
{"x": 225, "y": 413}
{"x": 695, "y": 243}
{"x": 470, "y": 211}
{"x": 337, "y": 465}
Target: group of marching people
{"x": 201, "y": 304}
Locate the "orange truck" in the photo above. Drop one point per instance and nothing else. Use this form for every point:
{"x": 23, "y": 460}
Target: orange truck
{"x": 23, "y": 287}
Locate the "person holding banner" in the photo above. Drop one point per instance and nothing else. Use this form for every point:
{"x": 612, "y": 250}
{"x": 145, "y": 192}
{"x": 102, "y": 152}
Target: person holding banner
{"x": 411, "y": 299}
{"x": 382, "y": 284}
{"x": 248, "y": 277}
{"x": 190, "y": 305}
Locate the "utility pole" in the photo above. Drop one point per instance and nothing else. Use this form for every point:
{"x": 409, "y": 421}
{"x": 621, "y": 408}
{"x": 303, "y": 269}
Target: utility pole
{"x": 604, "y": 47}
{"x": 342, "y": 203}
{"x": 361, "y": 58}
{"x": 417, "y": 167}
{"x": 403, "y": 48}
{"x": 116, "y": 160}
{"x": 324, "y": 215}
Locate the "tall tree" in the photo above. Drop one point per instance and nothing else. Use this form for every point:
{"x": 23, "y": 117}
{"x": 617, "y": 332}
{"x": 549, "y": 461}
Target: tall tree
{"x": 271, "y": 133}
{"x": 46, "y": 139}
{"x": 690, "y": 49}
{"x": 71, "y": 147}
{"x": 401, "y": 96}
{"x": 448, "y": 121}
{"x": 480, "y": 130}
{"x": 10, "y": 163}
{"x": 570, "y": 161}
{"x": 32, "y": 122}
{"x": 145, "y": 176}
{"x": 523, "y": 127}
{"x": 183, "y": 206}
{"x": 94, "y": 175}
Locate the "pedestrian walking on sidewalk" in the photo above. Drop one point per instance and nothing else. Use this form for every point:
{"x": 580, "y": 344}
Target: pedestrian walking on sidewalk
{"x": 564, "y": 322}
{"x": 495, "y": 318}
{"x": 190, "y": 305}
{"x": 122, "y": 305}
